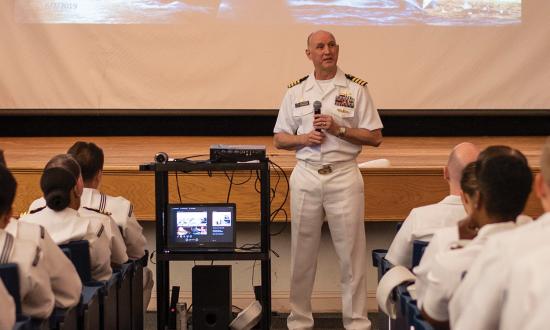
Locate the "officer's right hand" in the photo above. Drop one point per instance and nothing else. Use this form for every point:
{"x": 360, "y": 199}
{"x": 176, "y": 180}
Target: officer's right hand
{"x": 313, "y": 138}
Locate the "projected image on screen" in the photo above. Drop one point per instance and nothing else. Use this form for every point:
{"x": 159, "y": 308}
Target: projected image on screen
{"x": 397, "y": 12}
{"x": 114, "y": 11}
{"x": 325, "y": 12}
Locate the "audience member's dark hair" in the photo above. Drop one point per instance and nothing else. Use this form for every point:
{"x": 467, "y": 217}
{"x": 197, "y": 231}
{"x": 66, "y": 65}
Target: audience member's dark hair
{"x": 499, "y": 150}
{"x": 8, "y": 187}
{"x": 2, "y": 159}
{"x": 468, "y": 182}
{"x": 89, "y": 156}
{"x": 59, "y": 178}
{"x": 504, "y": 179}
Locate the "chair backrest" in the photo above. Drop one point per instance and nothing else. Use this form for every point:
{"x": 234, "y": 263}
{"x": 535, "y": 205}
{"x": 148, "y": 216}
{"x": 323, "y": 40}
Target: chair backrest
{"x": 10, "y": 276}
{"x": 418, "y": 250}
{"x": 80, "y": 257}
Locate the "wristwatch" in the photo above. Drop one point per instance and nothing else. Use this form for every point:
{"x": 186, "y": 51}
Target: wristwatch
{"x": 341, "y": 132}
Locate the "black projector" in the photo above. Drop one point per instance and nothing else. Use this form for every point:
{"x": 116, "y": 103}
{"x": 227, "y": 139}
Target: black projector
{"x": 232, "y": 153}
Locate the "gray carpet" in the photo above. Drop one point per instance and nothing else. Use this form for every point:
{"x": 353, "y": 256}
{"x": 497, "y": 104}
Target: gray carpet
{"x": 332, "y": 321}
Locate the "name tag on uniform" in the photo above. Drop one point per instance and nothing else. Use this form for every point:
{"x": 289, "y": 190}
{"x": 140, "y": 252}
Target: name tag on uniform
{"x": 344, "y": 100}
{"x": 301, "y": 104}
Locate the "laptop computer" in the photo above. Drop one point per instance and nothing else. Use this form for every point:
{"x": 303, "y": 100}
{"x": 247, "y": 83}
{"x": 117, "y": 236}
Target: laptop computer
{"x": 201, "y": 227}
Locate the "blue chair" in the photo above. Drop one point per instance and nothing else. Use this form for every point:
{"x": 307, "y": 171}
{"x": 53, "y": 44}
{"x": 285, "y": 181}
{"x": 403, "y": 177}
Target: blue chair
{"x": 420, "y": 324}
{"x": 403, "y": 303}
{"x": 9, "y": 274}
{"x": 88, "y": 310}
{"x": 124, "y": 295}
{"x": 418, "y": 250}
{"x": 379, "y": 261}
{"x": 137, "y": 292}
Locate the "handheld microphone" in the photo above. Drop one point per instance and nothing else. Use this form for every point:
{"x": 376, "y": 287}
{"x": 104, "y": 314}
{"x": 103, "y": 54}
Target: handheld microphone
{"x": 317, "y": 110}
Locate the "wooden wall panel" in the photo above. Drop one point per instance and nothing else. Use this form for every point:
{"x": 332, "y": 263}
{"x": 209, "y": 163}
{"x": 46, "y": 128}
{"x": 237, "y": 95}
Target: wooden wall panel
{"x": 389, "y": 193}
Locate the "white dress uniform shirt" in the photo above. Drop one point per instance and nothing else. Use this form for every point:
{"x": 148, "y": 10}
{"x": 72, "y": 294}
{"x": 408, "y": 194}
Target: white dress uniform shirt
{"x": 7, "y": 317}
{"x": 68, "y": 225}
{"x": 337, "y": 195}
{"x": 116, "y": 242}
{"x": 296, "y": 116}
{"x": 64, "y": 278}
{"x": 449, "y": 267}
{"x": 37, "y": 298}
{"x": 526, "y": 303}
{"x": 478, "y": 302}
{"x": 442, "y": 240}
{"x": 122, "y": 212}
{"x": 420, "y": 224}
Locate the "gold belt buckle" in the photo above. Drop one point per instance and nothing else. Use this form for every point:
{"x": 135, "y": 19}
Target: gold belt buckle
{"x": 326, "y": 169}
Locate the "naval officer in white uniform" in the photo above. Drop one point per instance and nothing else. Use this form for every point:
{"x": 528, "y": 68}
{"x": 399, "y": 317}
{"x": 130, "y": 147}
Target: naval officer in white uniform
{"x": 326, "y": 182}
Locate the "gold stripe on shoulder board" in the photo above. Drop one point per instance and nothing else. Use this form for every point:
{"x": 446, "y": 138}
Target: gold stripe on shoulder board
{"x": 356, "y": 80}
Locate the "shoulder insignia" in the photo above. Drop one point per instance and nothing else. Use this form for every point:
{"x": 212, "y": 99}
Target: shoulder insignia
{"x": 100, "y": 231}
{"x": 131, "y": 210}
{"x": 36, "y": 257}
{"x": 42, "y": 232}
{"x": 37, "y": 210}
{"x": 297, "y": 82}
{"x": 6, "y": 249}
{"x": 96, "y": 210}
{"x": 102, "y": 202}
{"x": 356, "y": 80}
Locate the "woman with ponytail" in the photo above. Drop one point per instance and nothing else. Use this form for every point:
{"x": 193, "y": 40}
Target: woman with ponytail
{"x": 62, "y": 186}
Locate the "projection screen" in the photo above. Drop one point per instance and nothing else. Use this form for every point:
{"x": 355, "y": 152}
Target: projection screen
{"x": 240, "y": 54}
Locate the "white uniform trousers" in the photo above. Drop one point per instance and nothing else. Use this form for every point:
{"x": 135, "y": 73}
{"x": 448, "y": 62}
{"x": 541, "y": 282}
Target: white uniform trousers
{"x": 338, "y": 196}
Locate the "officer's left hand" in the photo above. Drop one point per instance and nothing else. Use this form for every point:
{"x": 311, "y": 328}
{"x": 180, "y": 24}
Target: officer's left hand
{"x": 326, "y": 123}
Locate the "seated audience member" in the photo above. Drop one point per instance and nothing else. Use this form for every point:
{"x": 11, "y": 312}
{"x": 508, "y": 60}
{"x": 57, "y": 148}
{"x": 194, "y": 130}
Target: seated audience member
{"x": 423, "y": 221}
{"x": 444, "y": 237}
{"x": 37, "y": 298}
{"x": 64, "y": 279}
{"x": 526, "y": 303}
{"x": 504, "y": 183}
{"x": 62, "y": 186}
{"x": 7, "y": 317}
{"x": 91, "y": 158}
{"x": 479, "y": 301}
{"x": 466, "y": 229}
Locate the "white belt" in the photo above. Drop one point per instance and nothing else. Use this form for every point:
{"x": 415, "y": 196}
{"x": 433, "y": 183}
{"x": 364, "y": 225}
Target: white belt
{"x": 327, "y": 168}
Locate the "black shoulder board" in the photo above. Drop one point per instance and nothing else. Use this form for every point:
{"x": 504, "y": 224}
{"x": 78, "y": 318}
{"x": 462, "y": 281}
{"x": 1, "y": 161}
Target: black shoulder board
{"x": 100, "y": 231}
{"x": 6, "y": 249}
{"x": 37, "y": 210}
{"x": 36, "y": 257}
{"x": 297, "y": 82}
{"x": 356, "y": 80}
{"x": 42, "y": 232}
{"x": 131, "y": 210}
{"x": 96, "y": 210}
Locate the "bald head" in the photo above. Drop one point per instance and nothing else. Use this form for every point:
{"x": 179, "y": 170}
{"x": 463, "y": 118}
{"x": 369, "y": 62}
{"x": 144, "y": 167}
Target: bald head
{"x": 312, "y": 35}
{"x": 462, "y": 154}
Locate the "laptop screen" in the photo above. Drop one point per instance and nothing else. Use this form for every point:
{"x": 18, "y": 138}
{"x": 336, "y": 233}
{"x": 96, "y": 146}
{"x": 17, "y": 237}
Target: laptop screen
{"x": 207, "y": 226}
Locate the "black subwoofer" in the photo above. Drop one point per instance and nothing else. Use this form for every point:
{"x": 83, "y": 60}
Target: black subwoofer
{"x": 211, "y": 297}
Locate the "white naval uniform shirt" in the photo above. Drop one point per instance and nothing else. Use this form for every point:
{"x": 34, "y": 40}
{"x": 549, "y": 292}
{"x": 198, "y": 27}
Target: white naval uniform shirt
{"x": 348, "y": 103}
{"x": 527, "y": 300}
{"x": 63, "y": 276}
{"x": 121, "y": 211}
{"x": 478, "y": 301}
{"x": 7, "y": 317}
{"x": 442, "y": 239}
{"x": 420, "y": 224}
{"x": 37, "y": 298}
{"x": 449, "y": 267}
{"x": 68, "y": 225}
